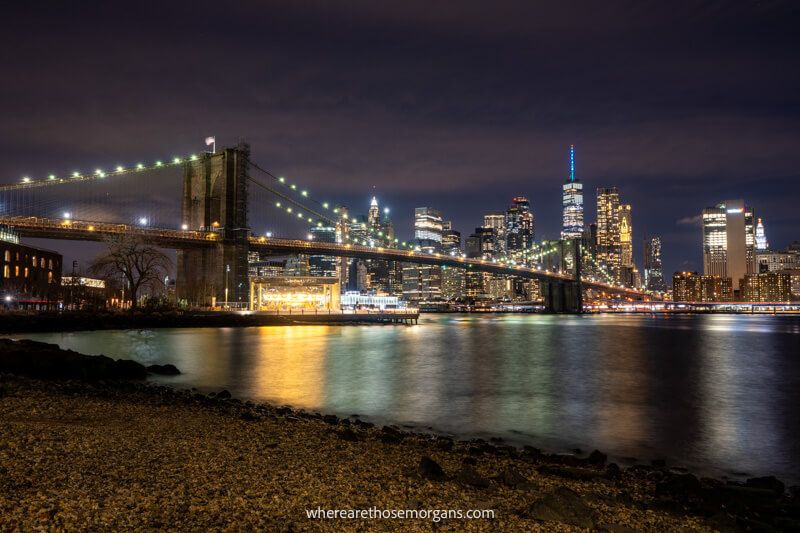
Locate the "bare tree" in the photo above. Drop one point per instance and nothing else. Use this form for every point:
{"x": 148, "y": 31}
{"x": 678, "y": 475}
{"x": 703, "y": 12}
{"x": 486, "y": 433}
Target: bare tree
{"x": 140, "y": 264}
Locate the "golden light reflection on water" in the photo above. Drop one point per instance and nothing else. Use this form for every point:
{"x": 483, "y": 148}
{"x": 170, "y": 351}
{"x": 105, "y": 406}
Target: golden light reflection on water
{"x": 290, "y": 364}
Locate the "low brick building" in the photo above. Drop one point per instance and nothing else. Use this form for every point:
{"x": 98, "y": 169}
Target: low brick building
{"x": 30, "y": 277}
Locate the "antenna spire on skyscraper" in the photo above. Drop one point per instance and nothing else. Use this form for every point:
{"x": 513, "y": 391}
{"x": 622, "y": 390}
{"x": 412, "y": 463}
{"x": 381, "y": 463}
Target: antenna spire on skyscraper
{"x": 571, "y": 162}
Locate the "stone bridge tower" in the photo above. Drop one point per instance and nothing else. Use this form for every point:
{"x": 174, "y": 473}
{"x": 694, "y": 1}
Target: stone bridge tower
{"x": 215, "y": 199}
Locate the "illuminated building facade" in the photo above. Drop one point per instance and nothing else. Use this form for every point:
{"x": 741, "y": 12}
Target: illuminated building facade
{"x": 767, "y": 287}
{"x": 453, "y": 278}
{"x": 572, "y": 203}
{"x": 653, "y": 273}
{"x": 692, "y": 287}
{"x": 609, "y": 251}
{"x": 294, "y": 294}
{"x": 497, "y": 222}
{"x": 322, "y": 265}
{"x": 424, "y": 282}
{"x": 357, "y": 300}
{"x": 30, "y": 277}
{"x": 729, "y": 241}
{"x": 625, "y": 235}
{"x": 519, "y": 229}
{"x": 761, "y": 238}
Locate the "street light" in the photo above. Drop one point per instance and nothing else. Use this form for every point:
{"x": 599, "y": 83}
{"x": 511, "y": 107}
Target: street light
{"x": 143, "y": 221}
{"x": 227, "y": 269}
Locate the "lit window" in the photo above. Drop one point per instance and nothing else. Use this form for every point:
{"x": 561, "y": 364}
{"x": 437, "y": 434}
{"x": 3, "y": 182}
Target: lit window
{"x": 26, "y": 272}
{"x": 8, "y": 256}
{"x": 16, "y": 271}
{"x": 6, "y": 271}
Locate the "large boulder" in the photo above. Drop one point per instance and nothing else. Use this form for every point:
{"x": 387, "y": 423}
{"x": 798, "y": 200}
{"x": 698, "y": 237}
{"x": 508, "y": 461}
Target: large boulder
{"x": 562, "y": 505}
{"x": 48, "y": 361}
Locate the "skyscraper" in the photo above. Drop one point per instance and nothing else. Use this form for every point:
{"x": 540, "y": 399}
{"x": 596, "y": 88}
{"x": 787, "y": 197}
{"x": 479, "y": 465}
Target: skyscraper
{"x": 729, "y": 241}
{"x": 572, "y": 203}
{"x": 519, "y": 228}
{"x": 608, "y": 231}
{"x": 625, "y": 235}
{"x": 374, "y": 215}
{"x": 497, "y": 221}
{"x": 654, "y": 275}
{"x": 761, "y": 238}
{"x": 453, "y": 278}
{"x": 424, "y": 282}
{"x": 323, "y": 265}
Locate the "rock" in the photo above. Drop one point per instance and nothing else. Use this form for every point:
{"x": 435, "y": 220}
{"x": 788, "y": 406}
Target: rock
{"x": 511, "y": 477}
{"x": 48, "y": 361}
{"x": 365, "y": 425}
{"x": 613, "y": 471}
{"x": 571, "y": 472}
{"x": 680, "y": 487}
{"x": 223, "y": 394}
{"x": 444, "y": 443}
{"x": 616, "y": 528}
{"x": 562, "y": 505}
{"x": 390, "y": 435}
{"x": 164, "y": 370}
{"x": 469, "y": 460}
{"x": 767, "y": 482}
{"x": 658, "y": 463}
{"x": 469, "y": 476}
{"x": 597, "y": 458}
{"x": 348, "y": 435}
{"x": 430, "y": 469}
{"x": 249, "y": 416}
{"x": 330, "y": 419}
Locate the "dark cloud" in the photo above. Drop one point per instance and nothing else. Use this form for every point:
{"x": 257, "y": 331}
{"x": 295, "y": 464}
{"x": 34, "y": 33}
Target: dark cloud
{"x": 456, "y": 105}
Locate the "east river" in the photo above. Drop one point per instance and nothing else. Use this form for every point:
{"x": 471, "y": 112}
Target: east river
{"x": 718, "y": 394}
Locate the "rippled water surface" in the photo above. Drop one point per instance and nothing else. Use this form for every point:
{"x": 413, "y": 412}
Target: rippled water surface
{"x": 717, "y": 393}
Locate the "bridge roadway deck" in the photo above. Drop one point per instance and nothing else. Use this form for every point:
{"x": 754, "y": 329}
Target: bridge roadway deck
{"x": 48, "y": 228}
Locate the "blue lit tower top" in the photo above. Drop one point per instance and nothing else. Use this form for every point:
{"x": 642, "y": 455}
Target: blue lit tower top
{"x": 572, "y": 162}
{"x": 572, "y": 202}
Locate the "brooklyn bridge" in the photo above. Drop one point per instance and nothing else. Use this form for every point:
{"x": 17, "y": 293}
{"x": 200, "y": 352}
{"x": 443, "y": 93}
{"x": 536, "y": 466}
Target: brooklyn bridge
{"x": 219, "y": 194}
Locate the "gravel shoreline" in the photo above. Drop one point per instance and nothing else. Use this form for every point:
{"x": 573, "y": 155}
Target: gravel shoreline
{"x": 126, "y": 455}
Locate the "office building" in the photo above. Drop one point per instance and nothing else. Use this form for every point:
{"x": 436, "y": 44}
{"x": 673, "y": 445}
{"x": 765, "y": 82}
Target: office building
{"x": 653, "y": 273}
{"x": 453, "y": 278}
{"x": 31, "y": 277}
{"x": 761, "y": 238}
{"x": 497, "y": 222}
{"x": 519, "y": 229}
{"x": 777, "y": 260}
{"x": 572, "y": 203}
{"x": 625, "y": 235}
{"x": 774, "y": 287}
{"x": 729, "y": 241}
{"x": 692, "y": 287}
{"x": 424, "y": 282}
{"x": 609, "y": 250}
{"x": 322, "y": 265}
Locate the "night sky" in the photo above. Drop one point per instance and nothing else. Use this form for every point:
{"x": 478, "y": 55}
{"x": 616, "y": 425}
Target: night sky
{"x": 458, "y": 106}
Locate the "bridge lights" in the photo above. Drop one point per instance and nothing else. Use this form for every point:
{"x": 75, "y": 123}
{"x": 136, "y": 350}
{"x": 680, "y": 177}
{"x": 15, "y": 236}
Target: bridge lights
{"x": 67, "y": 215}
{"x": 304, "y": 193}
{"x": 100, "y": 173}
{"x": 193, "y": 157}
{"x": 76, "y": 174}
{"x": 142, "y": 221}
{"x": 299, "y": 215}
{"x": 26, "y": 180}
{"x": 325, "y": 205}
{"x": 288, "y": 209}
{"x": 310, "y": 237}
{"x": 336, "y": 210}
{"x": 139, "y": 166}
{"x": 293, "y": 186}
{"x": 184, "y": 227}
{"x": 159, "y": 164}
{"x": 176, "y": 160}
{"x": 269, "y": 234}
{"x": 282, "y": 179}
{"x": 120, "y": 168}
{"x": 51, "y": 177}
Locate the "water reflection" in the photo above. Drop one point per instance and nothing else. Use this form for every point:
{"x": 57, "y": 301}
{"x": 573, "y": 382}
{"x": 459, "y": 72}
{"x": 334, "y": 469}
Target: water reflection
{"x": 715, "y": 392}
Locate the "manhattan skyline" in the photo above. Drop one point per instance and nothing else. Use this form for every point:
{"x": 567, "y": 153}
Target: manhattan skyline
{"x": 461, "y": 114}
